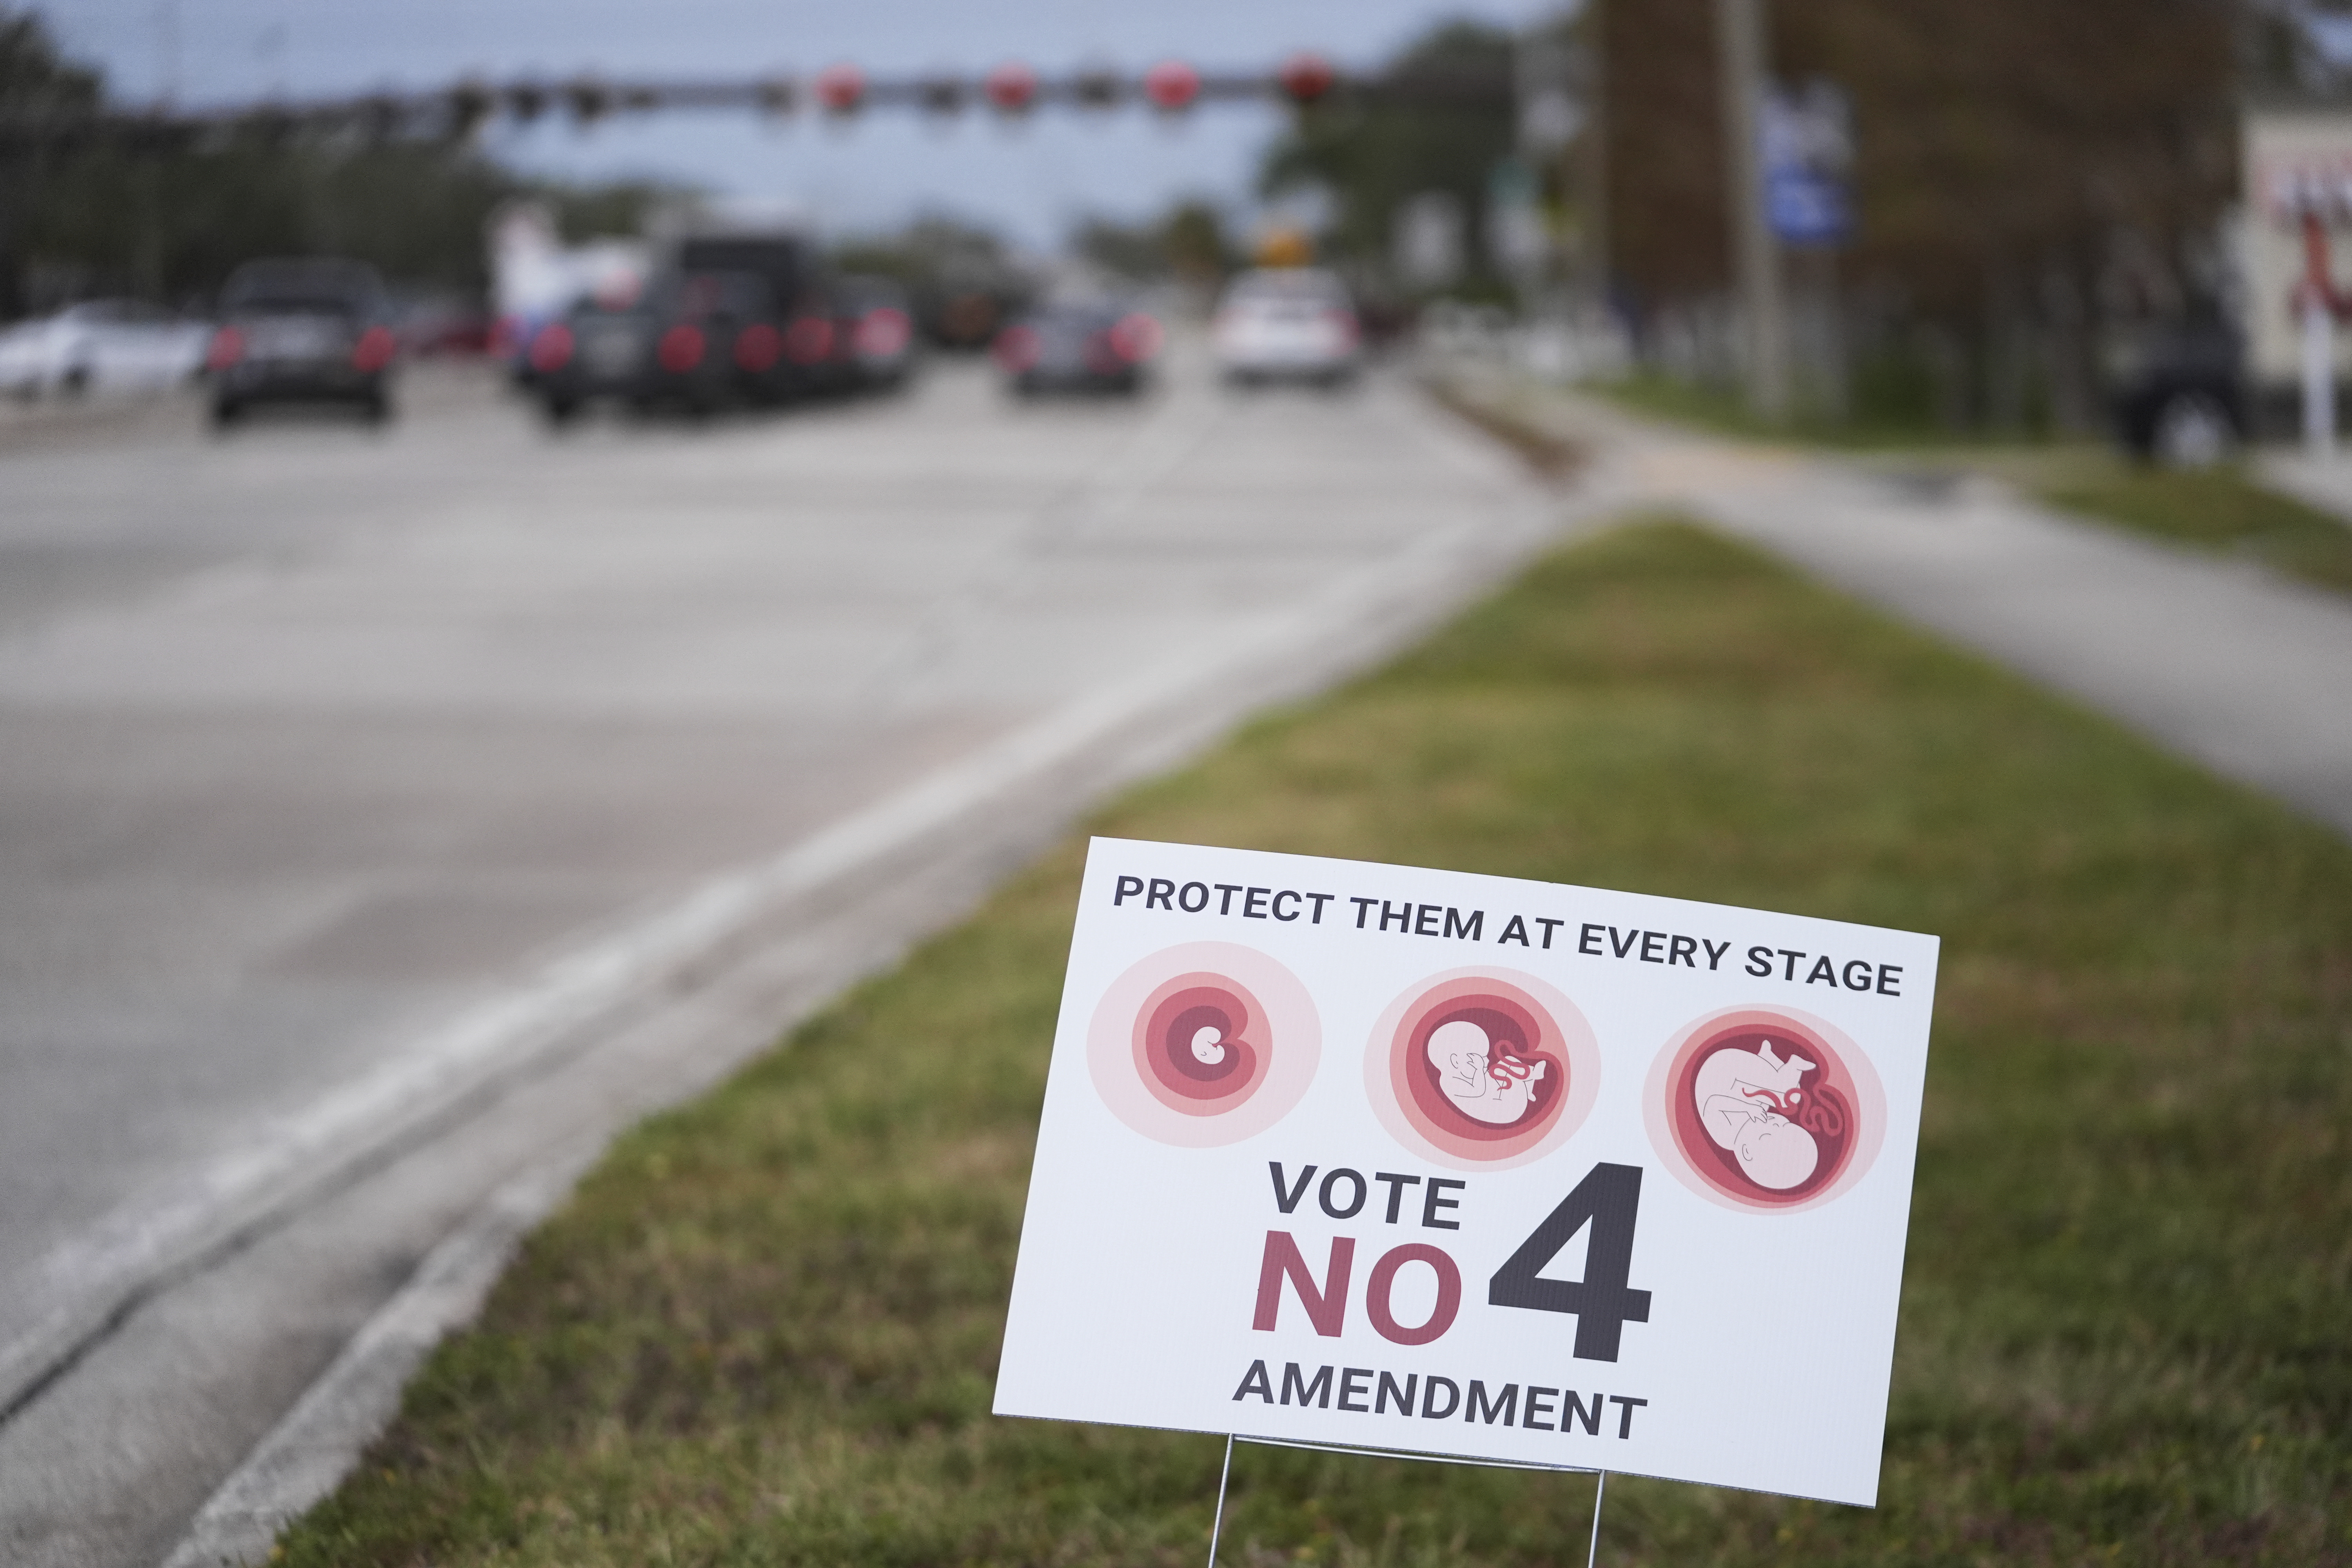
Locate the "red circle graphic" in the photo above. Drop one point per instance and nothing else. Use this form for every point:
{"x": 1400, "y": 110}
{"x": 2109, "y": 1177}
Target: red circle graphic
{"x": 1201, "y": 1044}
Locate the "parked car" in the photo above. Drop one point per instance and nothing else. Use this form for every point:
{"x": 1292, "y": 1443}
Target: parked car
{"x": 2178, "y": 390}
{"x": 1083, "y": 347}
{"x": 303, "y": 330}
{"x": 102, "y": 345}
{"x": 1294, "y": 323}
{"x": 879, "y": 322}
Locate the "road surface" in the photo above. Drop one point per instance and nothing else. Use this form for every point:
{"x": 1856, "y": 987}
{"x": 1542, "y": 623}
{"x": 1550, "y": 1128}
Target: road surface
{"x": 353, "y": 778}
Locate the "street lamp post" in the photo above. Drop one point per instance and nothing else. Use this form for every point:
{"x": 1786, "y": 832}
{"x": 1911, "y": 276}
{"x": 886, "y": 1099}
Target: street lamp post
{"x": 1739, "y": 37}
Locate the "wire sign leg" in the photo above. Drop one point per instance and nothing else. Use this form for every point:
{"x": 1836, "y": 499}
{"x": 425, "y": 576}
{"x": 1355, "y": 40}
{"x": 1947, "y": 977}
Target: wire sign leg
{"x": 1592, "y": 1558}
{"x": 1218, "y": 1523}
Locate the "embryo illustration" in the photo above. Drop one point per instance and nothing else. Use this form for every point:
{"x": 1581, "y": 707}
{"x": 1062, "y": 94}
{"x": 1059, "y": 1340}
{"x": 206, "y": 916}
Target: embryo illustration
{"x": 1202, "y": 1043}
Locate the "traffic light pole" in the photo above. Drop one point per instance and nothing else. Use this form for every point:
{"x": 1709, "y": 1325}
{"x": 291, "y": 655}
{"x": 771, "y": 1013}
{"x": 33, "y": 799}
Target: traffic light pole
{"x": 1739, "y": 37}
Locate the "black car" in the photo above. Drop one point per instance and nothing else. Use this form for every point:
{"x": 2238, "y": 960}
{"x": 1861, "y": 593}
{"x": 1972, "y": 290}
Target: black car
{"x": 303, "y": 330}
{"x": 1085, "y": 348}
{"x": 596, "y": 352}
{"x": 693, "y": 341}
{"x": 878, "y": 322}
{"x": 2177, "y": 391}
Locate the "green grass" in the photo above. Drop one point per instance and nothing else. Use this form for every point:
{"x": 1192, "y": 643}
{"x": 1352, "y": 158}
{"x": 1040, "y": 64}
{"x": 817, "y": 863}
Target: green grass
{"x": 765, "y": 1330}
{"x": 1724, "y": 411}
{"x": 2219, "y": 509}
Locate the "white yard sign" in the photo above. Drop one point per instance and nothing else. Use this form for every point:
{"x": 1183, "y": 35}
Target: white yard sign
{"x": 1418, "y": 1160}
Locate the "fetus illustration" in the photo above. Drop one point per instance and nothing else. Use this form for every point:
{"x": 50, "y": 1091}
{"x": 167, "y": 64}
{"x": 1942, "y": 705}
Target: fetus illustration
{"x": 1743, "y": 1098}
{"x": 1483, "y": 1072}
{"x": 1777, "y": 1128}
{"x": 1486, "y": 1085}
{"x": 1481, "y": 1068}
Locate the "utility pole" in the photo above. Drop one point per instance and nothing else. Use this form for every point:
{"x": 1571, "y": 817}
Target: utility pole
{"x": 1590, "y": 177}
{"x": 1739, "y": 37}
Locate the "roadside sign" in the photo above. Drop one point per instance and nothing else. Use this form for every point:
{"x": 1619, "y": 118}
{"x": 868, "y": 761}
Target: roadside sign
{"x": 1437, "y": 1162}
{"x": 2296, "y": 165}
{"x": 1807, "y": 143}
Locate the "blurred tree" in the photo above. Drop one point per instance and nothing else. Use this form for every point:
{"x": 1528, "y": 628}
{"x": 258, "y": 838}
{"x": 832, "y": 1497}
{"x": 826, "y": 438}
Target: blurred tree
{"x": 1669, "y": 236}
{"x": 1193, "y": 236}
{"x": 2024, "y": 167}
{"x": 620, "y": 207}
{"x": 34, "y": 82}
{"x": 963, "y": 283}
{"x": 1187, "y": 242}
{"x": 1445, "y": 130}
{"x": 171, "y": 221}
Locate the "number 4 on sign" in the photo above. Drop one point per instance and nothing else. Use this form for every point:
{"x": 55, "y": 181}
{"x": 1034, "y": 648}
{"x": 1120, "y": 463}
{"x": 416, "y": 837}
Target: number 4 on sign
{"x": 1609, "y": 1199}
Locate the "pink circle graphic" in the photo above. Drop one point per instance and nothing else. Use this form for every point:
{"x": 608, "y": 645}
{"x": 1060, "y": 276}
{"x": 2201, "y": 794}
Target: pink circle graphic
{"x": 1767, "y": 1110}
{"x": 1481, "y": 1068}
{"x": 1203, "y": 1044}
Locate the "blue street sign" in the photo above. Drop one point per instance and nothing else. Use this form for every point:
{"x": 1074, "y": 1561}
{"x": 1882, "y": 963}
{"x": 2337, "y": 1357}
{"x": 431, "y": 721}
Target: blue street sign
{"x": 1807, "y": 207}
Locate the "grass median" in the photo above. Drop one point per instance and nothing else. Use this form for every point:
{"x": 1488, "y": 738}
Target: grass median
{"x": 2220, "y": 509}
{"x": 765, "y": 1330}
{"x": 2223, "y": 510}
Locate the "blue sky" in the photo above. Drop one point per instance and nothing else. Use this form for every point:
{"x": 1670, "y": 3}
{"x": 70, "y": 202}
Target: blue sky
{"x": 1032, "y": 180}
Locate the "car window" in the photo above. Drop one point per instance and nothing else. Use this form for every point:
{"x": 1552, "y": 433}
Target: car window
{"x": 298, "y": 288}
{"x": 712, "y": 294}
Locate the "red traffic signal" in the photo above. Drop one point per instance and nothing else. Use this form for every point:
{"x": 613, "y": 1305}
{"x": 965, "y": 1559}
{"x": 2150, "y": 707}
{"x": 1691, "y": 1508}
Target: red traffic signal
{"x": 841, "y": 88}
{"x": 1171, "y": 86}
{"x": 1012, "y": 88}
{"x": 1306, "y": 77}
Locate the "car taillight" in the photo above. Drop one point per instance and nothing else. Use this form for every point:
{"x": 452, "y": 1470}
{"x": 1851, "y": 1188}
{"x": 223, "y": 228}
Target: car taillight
{"x": 680, "y": 349}
{"x": 374, "y": 350}
{"x": 1016, "y": 349}
{"x": 884, "y": 331}
{"x": 757, "y": 347}
{"x": 551, "y": 351}
{"x": 1344, "y": 323}
{"x": 227, "y": 348}
{"x": 1136, "y": 337}
{"x": 809, "y": 339}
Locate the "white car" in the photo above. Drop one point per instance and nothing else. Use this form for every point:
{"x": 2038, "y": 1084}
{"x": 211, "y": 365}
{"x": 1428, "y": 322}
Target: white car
{"x": 101, "y": 345}
{"x": 1286, "y": 323}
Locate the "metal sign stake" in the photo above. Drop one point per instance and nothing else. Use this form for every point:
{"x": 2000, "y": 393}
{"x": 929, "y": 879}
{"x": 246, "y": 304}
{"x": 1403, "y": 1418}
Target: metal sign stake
{"x": 1218, "y": 1522}
{"x": 1601, "y": 1487}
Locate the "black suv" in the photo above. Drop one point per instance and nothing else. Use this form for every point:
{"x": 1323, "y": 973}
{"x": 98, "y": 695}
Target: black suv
{"x": 303, "y": 330}
{"x": 2176, "y": 390}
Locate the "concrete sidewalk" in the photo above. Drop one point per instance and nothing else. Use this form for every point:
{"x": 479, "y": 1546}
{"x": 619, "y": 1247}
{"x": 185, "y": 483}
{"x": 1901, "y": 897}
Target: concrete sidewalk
{"x": 2322, "y": 483}
{"x": 2244, "y": 671}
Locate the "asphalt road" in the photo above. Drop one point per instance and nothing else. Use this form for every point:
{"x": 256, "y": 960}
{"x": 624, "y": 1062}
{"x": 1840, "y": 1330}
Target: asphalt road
{"x": 325, "y": 747}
